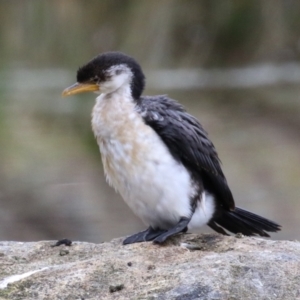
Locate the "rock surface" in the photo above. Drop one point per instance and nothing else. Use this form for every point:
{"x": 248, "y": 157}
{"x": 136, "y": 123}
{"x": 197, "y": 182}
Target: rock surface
{"x": 190, "y": 266}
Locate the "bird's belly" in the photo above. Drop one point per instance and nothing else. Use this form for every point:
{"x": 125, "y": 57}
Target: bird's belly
{"x": 204, "y": 211}
{"x": 155, "y": 186}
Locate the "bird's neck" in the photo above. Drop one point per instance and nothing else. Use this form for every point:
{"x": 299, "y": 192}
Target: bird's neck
{"x": 113, "y": 112}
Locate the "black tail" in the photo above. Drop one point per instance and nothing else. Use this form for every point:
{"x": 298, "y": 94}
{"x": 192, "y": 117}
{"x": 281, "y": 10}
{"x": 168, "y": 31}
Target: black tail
{"x": 243, "y": 221}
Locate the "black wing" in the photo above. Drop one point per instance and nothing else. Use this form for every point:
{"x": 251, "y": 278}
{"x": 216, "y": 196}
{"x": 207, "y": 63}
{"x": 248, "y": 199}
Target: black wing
{"x": 188, "y": 142}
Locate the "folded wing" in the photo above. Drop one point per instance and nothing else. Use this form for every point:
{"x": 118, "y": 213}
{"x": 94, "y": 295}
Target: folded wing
{"x": 188, "y": 143}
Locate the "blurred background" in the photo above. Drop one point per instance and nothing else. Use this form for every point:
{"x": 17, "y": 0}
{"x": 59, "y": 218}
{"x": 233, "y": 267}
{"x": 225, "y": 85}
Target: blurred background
{"x": 235, "y": 65}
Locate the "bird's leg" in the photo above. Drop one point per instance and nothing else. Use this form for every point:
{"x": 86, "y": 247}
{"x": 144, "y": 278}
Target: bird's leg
{"x": 181, "y": 226}
{"x": 144, "y": 236}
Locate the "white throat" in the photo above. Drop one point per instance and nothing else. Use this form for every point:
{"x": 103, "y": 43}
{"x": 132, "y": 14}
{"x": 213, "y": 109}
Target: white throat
{"x": 112, "y": 112}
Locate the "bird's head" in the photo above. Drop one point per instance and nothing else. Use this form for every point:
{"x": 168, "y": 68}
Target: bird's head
{"x": 108, "y": 72}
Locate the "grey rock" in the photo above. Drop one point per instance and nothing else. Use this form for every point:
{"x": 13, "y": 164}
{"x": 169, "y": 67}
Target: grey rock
{"x": 187, "y": 267}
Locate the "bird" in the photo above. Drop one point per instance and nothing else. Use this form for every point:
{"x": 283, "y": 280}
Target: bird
{"x": 158, "y": 156}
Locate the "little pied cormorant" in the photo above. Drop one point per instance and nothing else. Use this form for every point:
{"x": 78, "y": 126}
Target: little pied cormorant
{"x": 159, "y": 157}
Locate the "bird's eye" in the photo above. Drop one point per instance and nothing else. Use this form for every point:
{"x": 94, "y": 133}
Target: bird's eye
{"x": 95, "y": 79}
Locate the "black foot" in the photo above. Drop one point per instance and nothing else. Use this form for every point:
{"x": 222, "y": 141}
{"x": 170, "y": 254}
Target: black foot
{"x": 181, "y": 226}
{"x": 144, "y": 236}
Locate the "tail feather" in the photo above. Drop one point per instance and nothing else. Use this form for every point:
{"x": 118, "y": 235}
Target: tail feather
{"x": 264, "y": 223}
{"x": 245, "y": 222}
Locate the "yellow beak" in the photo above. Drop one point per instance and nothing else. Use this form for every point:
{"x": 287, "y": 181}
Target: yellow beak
{"x": 77, "y": 88}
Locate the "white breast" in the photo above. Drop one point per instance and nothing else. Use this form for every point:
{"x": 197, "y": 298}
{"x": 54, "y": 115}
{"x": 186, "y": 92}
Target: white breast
{"x": 138, "y": 164}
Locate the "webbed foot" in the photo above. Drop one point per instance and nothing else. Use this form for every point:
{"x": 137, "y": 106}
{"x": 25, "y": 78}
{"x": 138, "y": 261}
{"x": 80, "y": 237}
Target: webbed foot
{"x": 181, "y": 226}
{"x": 144, "y": 236}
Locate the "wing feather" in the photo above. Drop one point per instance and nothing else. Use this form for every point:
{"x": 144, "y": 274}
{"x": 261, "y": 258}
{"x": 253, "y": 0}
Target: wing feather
{"x": 188, "y": 142}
